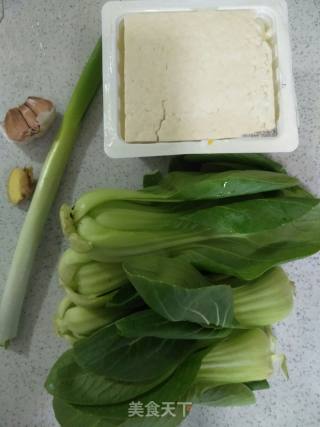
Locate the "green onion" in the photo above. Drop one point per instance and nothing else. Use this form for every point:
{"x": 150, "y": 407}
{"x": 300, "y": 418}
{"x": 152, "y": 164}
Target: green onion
{"x": 52, "y": 171}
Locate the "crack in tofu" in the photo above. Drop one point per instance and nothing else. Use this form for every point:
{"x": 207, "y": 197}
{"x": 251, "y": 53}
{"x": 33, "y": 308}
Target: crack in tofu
{"x": 162, "y": 120}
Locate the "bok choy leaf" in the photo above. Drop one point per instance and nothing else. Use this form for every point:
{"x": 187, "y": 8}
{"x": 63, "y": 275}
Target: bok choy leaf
{"x": 147, "y": 323}
{"x": 172, "y": 390}
{"x": 68, "y": 381}
{"x": 178, "y": 292}
{"x": 130, "y": 359}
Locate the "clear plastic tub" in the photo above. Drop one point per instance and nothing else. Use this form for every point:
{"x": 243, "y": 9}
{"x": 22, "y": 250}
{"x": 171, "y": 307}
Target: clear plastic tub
{"x": 273, "y": 12}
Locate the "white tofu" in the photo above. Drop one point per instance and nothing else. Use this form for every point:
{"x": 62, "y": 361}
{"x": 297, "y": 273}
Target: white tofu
{"x": 196, "y": 75}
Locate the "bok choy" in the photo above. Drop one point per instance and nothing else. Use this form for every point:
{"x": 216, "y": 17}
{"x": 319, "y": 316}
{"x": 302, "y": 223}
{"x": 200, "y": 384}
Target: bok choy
{"x": 257, "y": 234}
{"x": 178, "y": 292}
{"x": 172, "y": 290}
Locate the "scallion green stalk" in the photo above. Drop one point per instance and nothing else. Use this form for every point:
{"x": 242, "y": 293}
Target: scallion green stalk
{"x": 52, "y": 171}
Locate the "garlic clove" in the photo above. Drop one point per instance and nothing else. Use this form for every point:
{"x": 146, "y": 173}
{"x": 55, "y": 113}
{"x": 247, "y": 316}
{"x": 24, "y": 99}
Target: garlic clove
{"x": 39, "y": 105}
{"x": 15, "y": 127}
{"x": 30, "y": 120}
{"x": 45, "y": 111}
{"x": 20, "y": 184}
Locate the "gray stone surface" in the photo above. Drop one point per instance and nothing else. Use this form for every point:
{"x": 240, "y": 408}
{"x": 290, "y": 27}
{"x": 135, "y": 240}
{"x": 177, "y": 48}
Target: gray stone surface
{"x": 43, "y": 46}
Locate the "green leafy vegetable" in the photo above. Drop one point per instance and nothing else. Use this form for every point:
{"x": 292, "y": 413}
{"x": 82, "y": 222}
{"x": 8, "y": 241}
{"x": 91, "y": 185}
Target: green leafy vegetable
{"x": 152, "y": 178}
{"x": 201, "y": 186}
{"x": 89, "y": 283}
{"x": 222, "y": 395}
{"x": 183, "y": 273}
{"x": 106, "y": 238}
{"x": 130, "y": 359}
{"x": 258, "y": 385}
{"x": 180, "y": 186}
{"x": 74, "y": 322}
{"x": 267, "y": 300}
{"x": 172, "y": 390}
{"x": 147, "y": 323}
{"x": 178, "y": 292}
{"x": 225, "y": 162}
{"x": 219, "y": 162}
{"x": 183, "y": 298}
{"x": 242, "y": 357}
{"x": 126, "y": 297}
{"x": 68, "y": 381}
{"x": 249, "y": 256}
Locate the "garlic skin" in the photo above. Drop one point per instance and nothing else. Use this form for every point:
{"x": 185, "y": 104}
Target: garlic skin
{"x": 29, "y": 121}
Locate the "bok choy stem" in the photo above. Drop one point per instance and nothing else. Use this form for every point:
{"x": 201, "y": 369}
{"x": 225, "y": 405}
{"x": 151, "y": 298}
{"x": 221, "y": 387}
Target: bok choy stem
{"x": 52, "y": 171}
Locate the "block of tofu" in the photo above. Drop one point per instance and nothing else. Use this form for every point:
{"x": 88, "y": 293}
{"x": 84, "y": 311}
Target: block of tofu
{"x": 196, "y": 75}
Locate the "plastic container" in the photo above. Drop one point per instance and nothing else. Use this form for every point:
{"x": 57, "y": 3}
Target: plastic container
{"x": 273, "y": 12}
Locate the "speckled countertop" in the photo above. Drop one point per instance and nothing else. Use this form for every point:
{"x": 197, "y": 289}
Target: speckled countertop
{"x": 43, "y": 46}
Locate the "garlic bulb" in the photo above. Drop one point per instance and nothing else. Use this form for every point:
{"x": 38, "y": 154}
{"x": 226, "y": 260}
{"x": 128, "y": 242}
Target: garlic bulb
{"x": 28, "y": 121}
